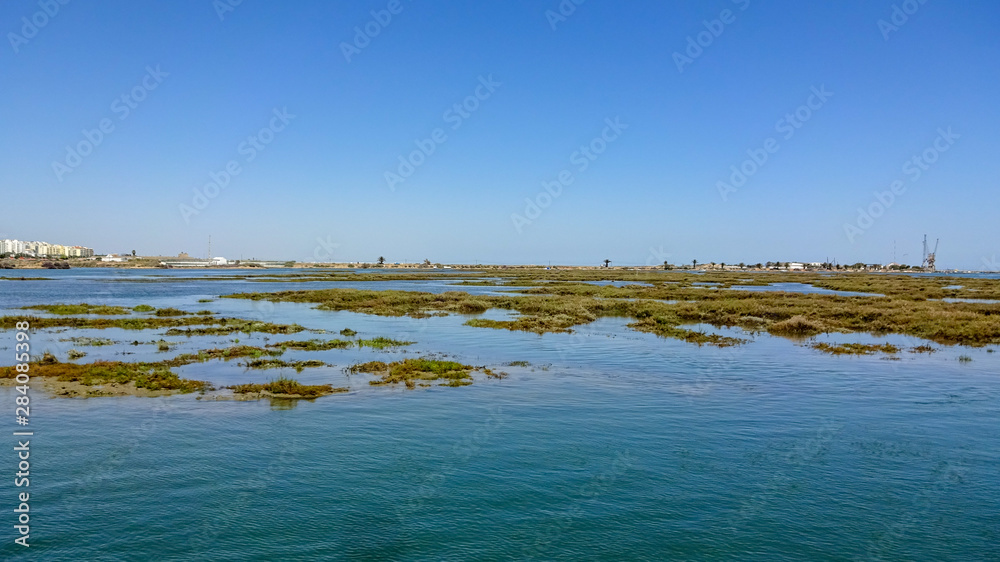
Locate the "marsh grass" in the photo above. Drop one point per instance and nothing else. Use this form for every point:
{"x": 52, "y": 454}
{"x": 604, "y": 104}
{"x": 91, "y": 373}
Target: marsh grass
{"x": 144, "y": 375}
{"x": 176, "y": 326}
{"x": 796, "y": 326}
{"x": 75, "y": 354}
{"x": 856, "y": 348}
{"x": 348, "y": 333}
{"x": 225, "y": 327}
{"x": 143, "y": 308}
{"x": 558, "y": 305}
{"x": 314, "y": 345}
{"x": 299, "y": 366}
{"x": 382, "y": 343}
{"x": 168, "y": 312}
{"x": 699, "y": 338}
{"x": 93, "y": 342}
{"x": 133, "y": 323}
{"x": 411, "y": 371}
{"x": 82, "y": 308}
{"x": 226, "y": 354}
{"x": 287, "y": 388}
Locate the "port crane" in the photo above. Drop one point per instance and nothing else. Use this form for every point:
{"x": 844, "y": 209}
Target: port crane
{"x": 930, "y": 258}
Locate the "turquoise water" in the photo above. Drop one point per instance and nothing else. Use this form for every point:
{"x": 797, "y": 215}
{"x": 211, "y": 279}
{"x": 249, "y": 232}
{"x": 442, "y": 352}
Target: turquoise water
{"x": 611, "y": 445}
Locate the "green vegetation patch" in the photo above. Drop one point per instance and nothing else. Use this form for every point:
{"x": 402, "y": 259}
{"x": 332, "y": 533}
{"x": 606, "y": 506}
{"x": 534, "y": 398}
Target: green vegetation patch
{"x": 559, "y": 302}
{"x": 93, "y": 342}
{"x": 382, "y": 343}
{"x": 856, "y": 348}
{"x": 225, "y": 327}
{"x": 287, "y": 388}
{"x": 690, "y": 336}
{"x": 299, "y": 366}
{"x": 144, "y": 375}
{"x": 143, "y": 308}
{"x": 410, "y": 371}
{"x": 314, "y": 345}
{"x": 234, "y": 352}
{"x": 84, "y": 323}
{"x": 348, "y": 333}
{"x": 177, "y": 326}
{"x": 167, "y": 312}
{"x": 82, "y": 308}
{"x": 797, "y": 326}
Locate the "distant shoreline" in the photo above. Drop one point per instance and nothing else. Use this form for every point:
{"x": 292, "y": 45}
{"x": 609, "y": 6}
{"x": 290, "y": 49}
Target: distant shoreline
{"x": 140, "y": 262}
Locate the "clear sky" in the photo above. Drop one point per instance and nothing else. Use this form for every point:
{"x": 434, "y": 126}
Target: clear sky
{"x": 313, "y": 116}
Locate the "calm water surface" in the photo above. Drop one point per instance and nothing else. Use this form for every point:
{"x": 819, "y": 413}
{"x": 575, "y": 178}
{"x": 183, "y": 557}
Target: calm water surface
{"x": 611, "y": 445}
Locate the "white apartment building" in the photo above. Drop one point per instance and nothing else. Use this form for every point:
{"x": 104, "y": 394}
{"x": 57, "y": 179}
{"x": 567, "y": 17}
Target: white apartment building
{"x": 43, "y": 249}
{"x": 11, "y": 247}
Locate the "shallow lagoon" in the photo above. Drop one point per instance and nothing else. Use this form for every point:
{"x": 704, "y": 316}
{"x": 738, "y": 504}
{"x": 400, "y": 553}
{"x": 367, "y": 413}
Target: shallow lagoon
{"x": 612, "y": 444}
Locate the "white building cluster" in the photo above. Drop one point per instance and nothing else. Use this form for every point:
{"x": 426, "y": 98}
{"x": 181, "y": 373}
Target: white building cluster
{"x": 44, "y": 249}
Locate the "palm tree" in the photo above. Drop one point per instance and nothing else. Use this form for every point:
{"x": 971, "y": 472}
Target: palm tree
{"x": 666, "y": 265}
{"x": 607, "y": 263}
{"x": 694, "y": 264}
{"x": 381, "y": 260}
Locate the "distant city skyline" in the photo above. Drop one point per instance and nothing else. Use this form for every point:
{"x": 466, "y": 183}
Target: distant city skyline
{"x": 43, "y": 249}
{"x": 515, "y": 132}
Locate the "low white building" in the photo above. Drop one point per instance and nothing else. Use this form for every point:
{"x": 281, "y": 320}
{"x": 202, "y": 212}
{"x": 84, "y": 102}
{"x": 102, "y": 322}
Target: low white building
{"x": 794, "y": 266}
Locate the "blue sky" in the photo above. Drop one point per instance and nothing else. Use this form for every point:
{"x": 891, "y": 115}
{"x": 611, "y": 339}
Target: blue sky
{"x": 208, "y": 83}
